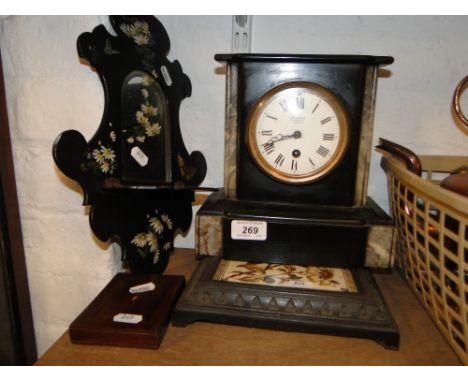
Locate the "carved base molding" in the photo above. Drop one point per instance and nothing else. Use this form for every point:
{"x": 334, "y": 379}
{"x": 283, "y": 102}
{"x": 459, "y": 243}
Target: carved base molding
{"x": 363, "y": 314}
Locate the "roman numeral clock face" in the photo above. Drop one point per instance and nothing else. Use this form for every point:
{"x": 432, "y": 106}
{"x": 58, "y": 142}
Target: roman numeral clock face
{"x": 298, "y": 132}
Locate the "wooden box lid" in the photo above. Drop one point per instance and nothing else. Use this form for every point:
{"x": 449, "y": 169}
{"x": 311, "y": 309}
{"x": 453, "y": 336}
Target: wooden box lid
{"x": 95, "y": 324}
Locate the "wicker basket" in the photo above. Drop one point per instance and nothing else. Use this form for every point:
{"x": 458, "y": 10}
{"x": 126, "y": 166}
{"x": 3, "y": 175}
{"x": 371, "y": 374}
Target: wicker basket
{"x": 432, "y": 225}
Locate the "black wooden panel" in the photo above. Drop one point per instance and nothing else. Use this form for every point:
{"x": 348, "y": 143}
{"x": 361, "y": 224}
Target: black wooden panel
{"x": 293, "y": 242}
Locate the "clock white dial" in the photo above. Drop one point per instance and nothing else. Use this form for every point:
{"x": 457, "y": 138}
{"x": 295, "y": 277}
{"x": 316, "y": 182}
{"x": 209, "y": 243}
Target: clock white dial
{"x": 298, "y": 132}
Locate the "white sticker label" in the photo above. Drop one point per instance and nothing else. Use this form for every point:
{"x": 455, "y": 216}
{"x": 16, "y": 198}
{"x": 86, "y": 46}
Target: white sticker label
{"x": 128, "y": 318}
{"x": 139, "y": 156}
{"x": 248, "y": 230}
{"x": 166, "y": 76}
{"x": 142, "y": 288}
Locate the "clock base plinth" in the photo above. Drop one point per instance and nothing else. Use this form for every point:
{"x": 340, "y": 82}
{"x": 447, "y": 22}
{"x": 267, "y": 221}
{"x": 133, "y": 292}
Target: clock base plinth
{"x": 363, "y": 314}
{"x": 338, "y": 237}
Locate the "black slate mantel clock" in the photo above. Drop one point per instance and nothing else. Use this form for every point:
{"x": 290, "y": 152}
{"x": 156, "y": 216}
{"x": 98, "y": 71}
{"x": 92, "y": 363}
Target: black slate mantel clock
{"x": 298, "y": 137}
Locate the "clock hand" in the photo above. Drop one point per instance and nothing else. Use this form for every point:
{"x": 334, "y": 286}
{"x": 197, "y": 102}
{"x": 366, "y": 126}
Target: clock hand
{"x": 281, "y": 137}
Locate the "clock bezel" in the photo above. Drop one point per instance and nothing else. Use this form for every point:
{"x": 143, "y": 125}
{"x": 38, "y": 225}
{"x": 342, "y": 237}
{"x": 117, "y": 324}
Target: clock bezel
{"x": 314, "y": 175}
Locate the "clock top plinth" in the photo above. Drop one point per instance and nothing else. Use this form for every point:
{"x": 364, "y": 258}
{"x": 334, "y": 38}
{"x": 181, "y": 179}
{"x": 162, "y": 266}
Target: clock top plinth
{"x": 310, "y": 58}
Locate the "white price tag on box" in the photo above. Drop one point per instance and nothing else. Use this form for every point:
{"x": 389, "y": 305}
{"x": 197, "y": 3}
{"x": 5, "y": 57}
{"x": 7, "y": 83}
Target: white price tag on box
{"x": 128, "y": 318}
{"x": 142, "y": 288}
{"x": 248, "y": 230}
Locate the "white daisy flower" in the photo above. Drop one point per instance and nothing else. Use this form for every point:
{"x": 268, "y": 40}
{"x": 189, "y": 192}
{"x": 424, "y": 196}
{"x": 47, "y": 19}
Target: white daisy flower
{"x": 139, "y": 240}
{"x": 105, "y": 167}
{"x": 152, "y": 241}
{"x": 156, "y": 224}
{"x": 167, "y": 246}
{"x": 145, "y": 93}
{"x": 165, "y": 218}
{"x": 129, "y": 30}
{"x": 130, "y": 139}
{"x": 153, "y": 130}
{"x": 141, "y": 138}
{"x": 98, "y": 156}
{"x": 149, "y": 109}
{"x": 141, "y": 118}
{"x": 141, "y": 26}
{"x": 108, "y": 153}
{"x": 141, "y": 39}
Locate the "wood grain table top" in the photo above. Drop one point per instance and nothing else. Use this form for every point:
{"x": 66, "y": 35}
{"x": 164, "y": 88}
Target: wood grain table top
{"x": 213, "y": 344}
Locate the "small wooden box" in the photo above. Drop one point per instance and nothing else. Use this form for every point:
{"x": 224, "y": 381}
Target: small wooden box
{"x": 95, "y": 324}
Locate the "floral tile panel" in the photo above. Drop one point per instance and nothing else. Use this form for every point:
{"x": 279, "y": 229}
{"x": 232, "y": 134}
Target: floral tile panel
{"x": 288, "y": 276}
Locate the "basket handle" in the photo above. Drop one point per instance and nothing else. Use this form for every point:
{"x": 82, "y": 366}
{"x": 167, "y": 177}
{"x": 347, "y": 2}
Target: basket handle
{"x": 456, "y": 101}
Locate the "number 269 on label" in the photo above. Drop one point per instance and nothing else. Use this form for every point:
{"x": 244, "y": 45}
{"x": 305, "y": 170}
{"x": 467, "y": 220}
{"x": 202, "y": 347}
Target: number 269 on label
{"x": 248, "y": 230}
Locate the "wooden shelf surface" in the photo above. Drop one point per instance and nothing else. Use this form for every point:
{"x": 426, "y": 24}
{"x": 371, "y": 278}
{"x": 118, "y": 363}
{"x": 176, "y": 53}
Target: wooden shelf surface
{"x": 212, "y": 344}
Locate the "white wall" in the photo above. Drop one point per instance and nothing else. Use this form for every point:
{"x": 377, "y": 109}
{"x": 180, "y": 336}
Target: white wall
{"x": 49, "y": 91}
